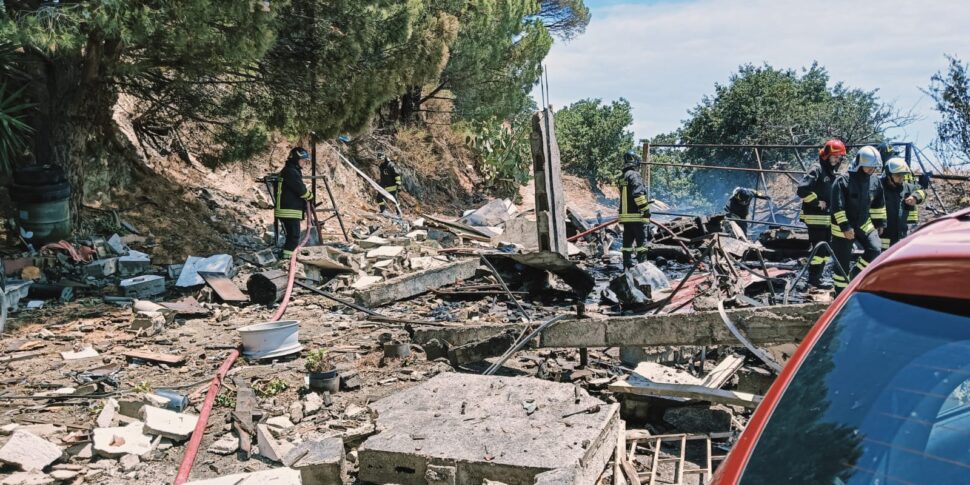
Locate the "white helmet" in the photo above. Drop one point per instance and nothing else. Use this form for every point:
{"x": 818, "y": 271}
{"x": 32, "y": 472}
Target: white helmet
{"x": 868, "y": 156}
{"x": 897, "y": 165}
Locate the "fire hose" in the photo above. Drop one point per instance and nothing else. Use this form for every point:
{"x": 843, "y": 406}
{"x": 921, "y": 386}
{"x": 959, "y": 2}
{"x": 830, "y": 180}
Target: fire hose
{"x": 192, "y": 449}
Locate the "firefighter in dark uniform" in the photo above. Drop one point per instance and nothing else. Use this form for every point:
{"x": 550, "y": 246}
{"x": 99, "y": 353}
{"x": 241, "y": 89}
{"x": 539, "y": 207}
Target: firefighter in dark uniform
{"x": 858, "y": 215}
{"x": 887, "y": 151}
{"x": 291, "y": 198}
{"x": 634, "y": 211}
{"x": 739, "y": 204}
{"x": 902, "y": 199}
{"x": 390, "y": 180}
{"x": 815, "y": 191}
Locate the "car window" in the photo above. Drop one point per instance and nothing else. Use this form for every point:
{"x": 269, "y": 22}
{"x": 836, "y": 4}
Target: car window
{"x": 882, "y": 398}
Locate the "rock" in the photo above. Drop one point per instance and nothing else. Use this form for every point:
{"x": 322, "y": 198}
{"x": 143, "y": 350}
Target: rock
{"x": 226, "y": 445}
{"x": 129, "y": 462}
{"x": 27, "y": 478}
{"x": 319, "y": 461}
{"x": 695, "y": 419}
{"x": 279, "y": 422}
{"x": 385, "y": 252}
{"x": 269, "y": 446}
{"x": 312, "y": 403}
{"x": 122, "y": 440}
{"x": 8, "y": 428}
{"x": 170, "y": 424}
{"x": 64, "y": 475}
{"x": 354, "y": 411}
{"x": 296, "y": 411}
{"x": 82, "y": 452}
{"x": 108, "y": 412}
{"x": 29, "y": 452}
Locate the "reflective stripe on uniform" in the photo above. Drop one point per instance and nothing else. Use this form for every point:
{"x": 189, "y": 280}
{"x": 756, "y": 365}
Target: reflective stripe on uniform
{"x": 390, "y": 188}
{"x": 633, "y": 218}
{"x": 913, "y": 216}
{"x": 861, "y": 264}
{"x": 867, "y": 227}
{"x": 627, "y": 250}
{"x": 642, "y": 249}
{"x": 817, "y": 260}
{"x": 840, "y": 217}
{"x": 287, "y": 254}
{"x": 288, "y": 213}
{"x": 810, "y": 197}
{"x": 308, "y": 195}
{"x": 815, "y": 220}
{"x": 879, "y": 213}
{"x": 837, "y": 231}
{"x": 839, "y": 281}
{"x": 885, "y": 243}
{"x": 641, "y": 200}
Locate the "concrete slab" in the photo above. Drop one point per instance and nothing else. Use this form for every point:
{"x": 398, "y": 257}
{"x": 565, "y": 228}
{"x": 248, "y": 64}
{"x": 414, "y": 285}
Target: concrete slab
{"x": 122, "y": 440}
{"x": 320, "y": 462}
{"x": 168, "y": 423}
{"x": 274, "y": 476}
{"x": 385, "y": 252}
{"x": 417, "y": 283}
{"x": 478, "y": 425}
{"x": 29, "y": 452}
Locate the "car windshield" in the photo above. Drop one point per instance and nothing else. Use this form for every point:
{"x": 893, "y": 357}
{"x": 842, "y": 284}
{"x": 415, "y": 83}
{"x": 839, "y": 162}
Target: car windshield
{"x": 882, "y": 398}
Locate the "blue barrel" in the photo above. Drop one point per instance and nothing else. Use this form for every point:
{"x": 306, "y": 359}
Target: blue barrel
{"x": 43, "y": 199}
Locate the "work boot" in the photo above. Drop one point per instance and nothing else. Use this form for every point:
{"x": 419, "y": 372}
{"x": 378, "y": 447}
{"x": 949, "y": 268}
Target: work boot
{"x": 641, "y": 256}
{"x": 628, "y": 260}
{"x": 815, "y": 275}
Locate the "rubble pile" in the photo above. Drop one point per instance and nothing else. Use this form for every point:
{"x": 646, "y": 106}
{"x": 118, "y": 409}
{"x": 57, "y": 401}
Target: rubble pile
{"x": 107, "y": 356}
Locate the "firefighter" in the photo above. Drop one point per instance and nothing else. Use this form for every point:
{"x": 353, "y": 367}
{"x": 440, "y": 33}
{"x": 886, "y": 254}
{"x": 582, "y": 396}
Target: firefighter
{"x": 888, "y": 152}
{"x": 815, "y": 191}
{"x": 902, "y": 199}
{"x": 740, "y": 202}
{"x": 634, "y": 211}
{"x": 291, "y": 198}
{"x": 390, "y": 180}
{"x": 858, "y": 215}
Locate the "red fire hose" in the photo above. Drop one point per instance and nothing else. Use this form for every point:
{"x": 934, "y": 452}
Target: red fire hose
{"x": 192, "y": 449}
{"x": 597, "y": 228}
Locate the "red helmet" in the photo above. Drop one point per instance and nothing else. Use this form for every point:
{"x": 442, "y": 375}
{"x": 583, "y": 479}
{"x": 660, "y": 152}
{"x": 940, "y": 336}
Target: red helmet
{"x": 832, "y": 147}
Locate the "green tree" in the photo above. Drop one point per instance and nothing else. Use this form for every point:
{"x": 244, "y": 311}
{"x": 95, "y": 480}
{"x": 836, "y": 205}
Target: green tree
{"x": 951, "y": 93}
{"x": 593, "y": 138}
{"x": 80, "y": 56}
{"x": 503, "y": 151}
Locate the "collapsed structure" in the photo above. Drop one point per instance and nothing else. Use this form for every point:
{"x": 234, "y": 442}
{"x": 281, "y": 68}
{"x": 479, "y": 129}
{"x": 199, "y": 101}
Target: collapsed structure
{"x": 504, "y": 346}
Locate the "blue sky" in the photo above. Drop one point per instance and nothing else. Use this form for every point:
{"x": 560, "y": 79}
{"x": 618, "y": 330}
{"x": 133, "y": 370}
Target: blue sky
{"x": 665, "y": 55}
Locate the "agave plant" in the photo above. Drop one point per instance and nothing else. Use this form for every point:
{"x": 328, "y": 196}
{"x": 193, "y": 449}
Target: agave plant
{"x": 13, "y": 127}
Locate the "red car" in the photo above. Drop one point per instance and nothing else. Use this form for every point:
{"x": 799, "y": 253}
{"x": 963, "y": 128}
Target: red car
{"x": 879, "y": 390}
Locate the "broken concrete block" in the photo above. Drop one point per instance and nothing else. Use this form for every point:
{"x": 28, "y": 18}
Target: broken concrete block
{"x": 149, "y": 322}
{"x": 220, "y": 264}
{"x": 274, "y": 476}
{"x": 133, "y": 265}
{"x": 84, "y": 353}
{"x": 117, "y": 246}
{"x": 373, "y": 242}
{"x": 129, "y": 462}
{"x": 312, "y": 403}
{"x": 417, "y": 283}
{"x": 320, "y": 462}
{"x": 269, "y": 445}
{"x": 122, "y": 440}
{"x": 27, "y": 478}
{"x": 366, "y": 281}
{"x": 29, "y": 452}
{"x": 108, "y": 412}
{"x": 279, "y": 422}
{"x": 425, "y": 425}
{"x": 441, "y": 475}
{"x": 385, "y": 252}
{"x": 422, "y": 263}
{"x": 170, "y": 424}
{"x": 226, "y": 445}
{"x": 418, "y": 235}
{"x": 143, "y": 286}
{"x": 264, "y": 257}
{"x": 174, "y": 270}
{"x": 101, "y": 267}
{"x": 296, "y": 411}
{"x": 64, "y": 475}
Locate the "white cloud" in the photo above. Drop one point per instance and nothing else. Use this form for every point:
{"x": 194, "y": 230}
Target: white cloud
{"x": 665, "y": 57}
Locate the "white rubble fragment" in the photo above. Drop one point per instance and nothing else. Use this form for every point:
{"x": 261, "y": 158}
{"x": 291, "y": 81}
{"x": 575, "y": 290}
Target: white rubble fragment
{"x": 274, "y": 476}
{"x": 366, "y": 281}
{"x": 122, "y": 440}
{"x": 280, "y": 422}
{"x": 312, "y": 403}
{"x": 385, "y": 252}
{"x": 107, "y": 415}
{"x": 27, "y": 478}
{"x": 29, "y": 452}
{"x": 84, "y": 353}
{"x": 226, "y": 445}
{"x": 269, "y": 446}
{"x": 129, "y": 462}
{"x": 167, "y": 423}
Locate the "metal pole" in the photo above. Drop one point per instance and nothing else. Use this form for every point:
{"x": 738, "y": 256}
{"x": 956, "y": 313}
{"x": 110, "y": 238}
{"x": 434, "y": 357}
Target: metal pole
{"x": 721, "y": 167}
{"x": 764, "y": 184}
{"x": 336, "y": 211}
{"x": 646, "y": 161}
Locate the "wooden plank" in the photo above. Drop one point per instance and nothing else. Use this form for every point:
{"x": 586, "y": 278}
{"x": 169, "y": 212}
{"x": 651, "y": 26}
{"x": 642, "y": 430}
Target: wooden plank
{"x": 224, "y": 287}
{"x": 690, "y": 391}
{"x": 22, "y": 356}
{"x": 156, "y": 357}
{"x": 723, "y": 371}
{"x": 242, "y": 416}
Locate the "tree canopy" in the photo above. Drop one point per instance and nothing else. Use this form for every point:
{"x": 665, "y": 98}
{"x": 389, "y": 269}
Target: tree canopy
{"x": 950, "y": 91}
{"x": 593, "y": 137}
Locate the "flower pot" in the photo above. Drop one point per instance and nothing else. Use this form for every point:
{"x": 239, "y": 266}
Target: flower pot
{"x": 324, "y": 381}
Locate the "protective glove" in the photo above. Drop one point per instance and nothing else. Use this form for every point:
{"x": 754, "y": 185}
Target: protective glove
{"x": 924, "y": 180}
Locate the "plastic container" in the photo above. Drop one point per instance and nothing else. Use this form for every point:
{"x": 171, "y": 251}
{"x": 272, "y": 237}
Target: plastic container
{"x": 270, "y": 339}
{"x": 324, "y": 381}
{"x": 42, "y": 195}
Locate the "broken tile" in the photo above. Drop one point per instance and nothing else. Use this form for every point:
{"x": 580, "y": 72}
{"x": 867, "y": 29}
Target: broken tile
{"x": 29, "y": 452}
{"x": 170, "y": 424}
{"x": 269, "y": 446}
{"x": 312, "y": 403}
{"x": 226, "y": 445}
{"x": 122, "y": 440}
{"x": 319, "y": 461}
{"x": 84, "y": 353}
{"x": 108, "y": 412}
{"x": 385, "y": 252}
